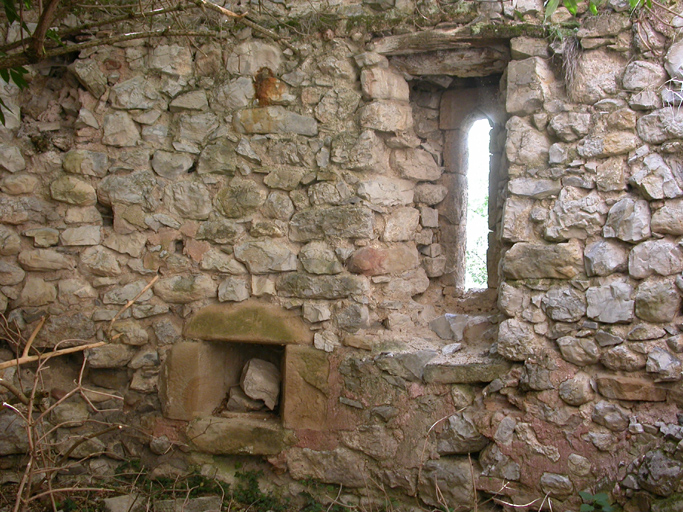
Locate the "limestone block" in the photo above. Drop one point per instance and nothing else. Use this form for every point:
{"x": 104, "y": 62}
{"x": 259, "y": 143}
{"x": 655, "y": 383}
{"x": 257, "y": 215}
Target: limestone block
{"x": 88, "y": 73}
{"x": 89, "y": 163}
{"x": 278, "y": 205}
{"x": 577, "y": 390}
{"x": 285, "y": 178}
{"x": 130, "y": 333}
{"x": 622, "y": 358}
{"x": 233, "y": 289}
{"x": 338, "y": 221}
{"x": 628, "y": 220}
{"x": 555, "y": 485}
{"x": 193, "y": 100}
{"x": 171, "y": 165}
{"x": 533, "y": 261}
{"x": 673, "y": 61}
{"x": 406, "y": 285}
{"x": 136, "y": 188}
{"x": 579, "y": 351}
{"x": 611, "y": 144}
{"x": 656, "y": 180}
{"x": 37, "y": 292}
{"x": 524, "y": 47}
{"x": 611, "y": 174}
{"x": 485, "y": 369}
{"x": 664, "y": 365}
{"x": 610, "y": 303}
{"x": 18, "y": 184}
{"x": 655, "y": 257}
{"x": 661, "y": 125}
{"x": 236, "y": 94}
{"x": 401, "y": 224}
{"x": 110, "y": 356}
{"x": 525, "y": 145}
{"x": 219, "y": 230}
{"x": 247, "y": 58}
{"x": 239, "y": 198}
{"x": 83, "y": 235}
{"x": 11, "y": 158}
{"x": 260, "y": 380}
{"x": 373, "y": 261}
{"x": 430, "y": 194}
{"x": 319, "y": 258}
{"x": 120, "y": 130}
{"x": 326, "y": 341}
{"x": 528, "y": 86}
{"x": 182, "y": 289}
{"x": 598, "y": 74}
{"x": 564, "y": 304}
{"x": 274, "y": 119}
{"x": 657, "y": 301}
{"x": 217, "y": 260}
{"x": 605, "y": 257}
{"x": 239, "y": 436}
{"x": 263, "y": 257}
{"x": 316, "y": 312}
{"x": 642, "y": 74}
{"x": 669, "y": 218}
{"x": 415, "y": 164}
{"x": 338, "y": 466}
{"x": 451, "y": 476}
{"x": 384, "y": 84}
{"x": 571, "y": 126}
{"x": 45, "y": 259}
{"x": 190, "y": 199}
{"x": 71, "y": 190}
{"x": 337, "y": 106}
{"x": 174, "y": 60}
{"x": 43, "y": 237}
{"x": 575, "y": 214}
{"x": 305, "y": 286}
{"x": 134, "y": 94}
{"x": 195, "y": 128}
{"x": 516, "y": 340}
{"x": 387, "y": 116}
{"x": 463, "y": 62}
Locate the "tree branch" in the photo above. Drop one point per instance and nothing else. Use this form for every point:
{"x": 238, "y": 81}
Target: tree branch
{"x": 37, "y": 44}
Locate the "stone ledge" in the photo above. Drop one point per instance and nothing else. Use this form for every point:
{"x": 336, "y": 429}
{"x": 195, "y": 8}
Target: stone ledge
{"x": 485, "y": 369}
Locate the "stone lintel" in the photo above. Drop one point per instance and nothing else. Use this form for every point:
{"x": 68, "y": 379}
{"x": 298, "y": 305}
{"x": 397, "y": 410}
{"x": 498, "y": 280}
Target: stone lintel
{"x": 452, "y": 372}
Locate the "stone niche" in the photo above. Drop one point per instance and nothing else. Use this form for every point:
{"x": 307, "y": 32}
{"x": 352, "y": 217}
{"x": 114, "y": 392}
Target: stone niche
{"x": 203, "y": 377}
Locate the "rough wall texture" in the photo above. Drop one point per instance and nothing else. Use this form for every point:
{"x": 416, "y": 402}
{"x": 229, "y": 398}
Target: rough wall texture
{"x": 308, "y": 210}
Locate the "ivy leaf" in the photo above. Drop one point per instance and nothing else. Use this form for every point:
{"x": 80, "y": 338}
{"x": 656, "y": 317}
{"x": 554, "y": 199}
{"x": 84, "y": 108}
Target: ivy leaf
{"x": 571, "y": 6}
{"x": 551, "y": 7}
{"x": 592, "y": 7}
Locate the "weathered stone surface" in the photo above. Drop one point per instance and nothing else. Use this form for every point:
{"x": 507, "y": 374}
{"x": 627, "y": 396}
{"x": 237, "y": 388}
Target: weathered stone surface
{"x": 340, "y": 221}
{"x": 193, "y": 100}
{"x": 260, "y": 380}
{"x": 136, "y": 188}
{"x": 89, "y": 163}
{"x": 383, "y": 84}
{"x": 571, "y": 126}
{"x": 579, "y": 351}
{"x": 655, "y": 257}
{"x": 605, "y": 257}
{"x": 262, "y": 257}
{"x": 657, "y": 301}
{"x": 218, "y": 158}
{"x": 233, "y": 289}
{"x": 185, "y": 288}
{"x": 339, "y": 466}
{"x": 575, "y": 214}
{"x": 133, "y": 94}
{"x": 100, "y": 261}
{"x": 68, "y": 189}
{"x": 45, "y": 259}
{"x": 660, "y": 473}
{"x": 83, "y": 235}
{"x": 248, "y": 57}
{"x": 296, "y": 284}
{"x": 10, "y": 274}
{"x": 555, "y": 485}
{"x": 130, "y": 332}
{"x": 387, "y": 116}
{"x": 642, "y": 74}
{"x": 110, "y": 356}
{"x": 611, "y": 144}
{"x": 237, "y": 94}
{"x": 430, "y": 194}
{"x": 365, "y": 153}
{"x": 18, "y": 184}
{"x": 597, "y": 76}
{"x": 386, "y": 191}
{"x": 173, "y": 60}
{"x": 516, "y": 219}
{"x": 238, "y": 436}
{"x": 415, "y": 164}
{"x": 401, "y": 224}
{"x": 628, "y": 220}
{"x": 285, "y": 178}
{"x": 217, "y": 260}
{"x": 452, "y": 478}
{"x": 120, "y": 130}
{"x": 88, "y": 73}
{"x": 655, "y": 180}
{"x": 622, "y": 358}
{"x": 664, "y": 365}
{"x": 461, "y": 62}
{"x": 373, "y": 261}
{"x": 629, "y": 388}
{"x": 219, "y": 230}
{"x": 534, "y": 188}
{"x": 610, "y": 303}
{"x": 327, "y": 341}
{"x": 564, "y": 304}
{"x": 460, "y": 436}
{"x": 673, "y": 61}
{"x": 336, "y": 107}
{"x": 131, "y": 244}
{"x": 171, "y": 165}
{"x": 12, "y": 159}
{"x": 577, "y": 390}
{"x": 669, "y": 218}
{"x": 14, "y": 439}
{"x": 241, "y": 197}
{"x": 274, "y": 119}
{"x": 525, "y": 145}
{"x": 529, "y": 81}
{"x": 532, "y": 261}
{"x": 190, "y": 199}
{"x": 661, "y": 125}
{"x": 196, "y": 128}
{"x": 516, "y": 340}
{"x": 37, "y": 292}
{"x": 250, "y": 322}
{"x": 123, "y": 294}
{"x": 319, "y": 258}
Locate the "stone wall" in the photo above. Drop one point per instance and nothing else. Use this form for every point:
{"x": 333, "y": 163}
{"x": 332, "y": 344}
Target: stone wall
{"x": 308, "y": 209}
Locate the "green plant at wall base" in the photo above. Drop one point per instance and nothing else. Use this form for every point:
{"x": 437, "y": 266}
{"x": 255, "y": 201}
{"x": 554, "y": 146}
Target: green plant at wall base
{"x": 595, "y": 502}
{"x": 593, "y": 6}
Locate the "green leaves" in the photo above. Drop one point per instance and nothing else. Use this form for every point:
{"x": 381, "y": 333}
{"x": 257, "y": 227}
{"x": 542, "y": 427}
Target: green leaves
{"x": 551, "y": 7}
{"x": 595, "y": 502}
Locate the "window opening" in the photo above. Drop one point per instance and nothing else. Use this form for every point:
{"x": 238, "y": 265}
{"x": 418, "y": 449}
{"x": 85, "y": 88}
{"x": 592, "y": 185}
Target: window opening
{"x": 478, "y": 171}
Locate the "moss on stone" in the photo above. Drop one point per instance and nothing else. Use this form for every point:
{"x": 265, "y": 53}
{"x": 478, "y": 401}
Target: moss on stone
{"x": 248, "y": 322}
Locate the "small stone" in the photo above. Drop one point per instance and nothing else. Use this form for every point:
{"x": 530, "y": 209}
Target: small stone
{"x": 81, "y": 236}
{"x": 611, "y": 416}
{"x": 664, "y": 365}
{"x": 577, "y": 390}
{"x": 234, "y": 289}
{"x": 579, "y": 351}
{"x": 610, "y": 303}
{"x": 260, "y": 380}
{"x": 68, "y": 189}
{"x": 557, "y": 486}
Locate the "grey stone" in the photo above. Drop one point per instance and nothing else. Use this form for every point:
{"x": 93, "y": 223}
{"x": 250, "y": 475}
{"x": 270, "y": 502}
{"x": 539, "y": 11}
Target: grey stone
{"x": 260, "y": 380}
{"x": 669, "y": 218}
{"x": 451, "y": 476}
{"x": 611, "y": 416}
{"x": 171, "y": 165}
{"x": 136, "y": 188}
{"x": 193, "y": 100}
{"x": 430, "y": 194}
{"x": 218, "y": 158}
{"x": 525, "y": 145}
{"x": 460, "y": 436}
{"x": 337, "y": 106}
{"x": 274, "y": 119}
{"x": 182, "y": 289}
{"x": 628, "y": 220}
{"x": 18, "y": 184}
{"x": 83, "y": 235}
{"x": 43, "y": 237}
{"x": 622, "y": 358}
{"x": 564, "y": 304}
{"x": 571, "y": 126}
{"x": 380, "y": 83}
{"x": 597, "y": 76}
{"x": 88, "y": 73}
{"x": 217, "y": 260}
{"x": 319, "y": 258}
{"x": 326, "y": 341}
{"x": 11, "y": 158}
{"x": 530, "y": 261}
{"x": 70, "y": 190}
{"x": 555, "y": 485}
{"x": 285, "y": 178}
{"x": 316, "y": 312}
{"x": 37, "y": 292}
{"x": 241, "y": 197}
{"x": 385, "y": 191}
{"x": 195, "y": 128}
{"x": 516, "y": 216}
{"x": 130, "y": 332}
{"x": 534, "y": 188}
{"x": 610, "y": 174}
{"x": 119, "y": 130}
{"x": 642, "y": 74}
{"x": 577, "y": 390}
{"x": 657, "y": 301}
{"x": 516, "y": 340}
{"x": 415, "y": 164}
{"x": 659, "y": 473}
{"x": 498, "y": 465}
{"x": 655, "y": 257}
{"x": 611, "y": 303}
{"x": 339, "y": 222}
{"x": 579, "y": 351}
{"x": 110, "y": 356}
{"x": 656, "y": 180}
{"x": 248, "y": 57}
{"x": 664, "y": 365}
{"x": 45, "y": 259}
{"x": 134, "y": 94}
{"x": 406, "y": 365}
{"x": 190, "y": 199}
{"x": 575, "y": 214}
{"x": 262, "y": 257}
{"x": 304, "y": 286}
{"x": 605, "y": 257}
{"x": 278, "y": 205}
{"x": 125, "y": 293}
{"x": 88, "y": 163}
{"x": 606, "y": 339}
{"x": 524, "y": 47}
{"x": 673, "y": 61}
{"x": 166, "y": 332}
{"x": 353, "y": 318}
{"x": 131, "y": 244}
{"x": 528, "y": 84}
{"x": 237, "y": 94}
{"x": 219, "y": 230}
{"x": 401, "y": 224}
{"x": 173, "y": 60}
{"x": 386, "y": 116}
{"x": 233, "y": 289}
{"x": 72, "y": 290}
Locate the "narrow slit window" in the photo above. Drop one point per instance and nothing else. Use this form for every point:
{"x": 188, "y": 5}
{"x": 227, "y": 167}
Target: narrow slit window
{"x": 478, "y": 170}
